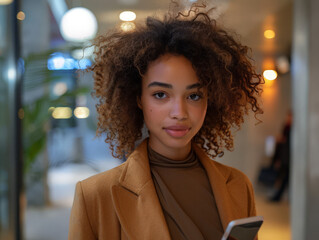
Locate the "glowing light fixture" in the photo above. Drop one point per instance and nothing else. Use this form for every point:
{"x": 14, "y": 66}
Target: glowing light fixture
{"x": 5, "y": 2}
{"x": 20, "y": 16}
{"x": 269, "y": 34}
{"x": 127, "y": 16}
{"x": 270, "y": 75}
{"x": 78, "y": 25}
{"x": 60, "y": 88}
{"x": 12, "y": 74}
{"x": 127, "y": 26}
{"x": 62, "y": 113}
{"x": 81, "y": 112}
{"x": 61, "y": 61}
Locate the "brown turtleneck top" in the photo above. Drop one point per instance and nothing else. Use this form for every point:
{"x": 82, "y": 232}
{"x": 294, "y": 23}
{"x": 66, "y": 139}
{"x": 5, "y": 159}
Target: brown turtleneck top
{"x": 186, "y": 197}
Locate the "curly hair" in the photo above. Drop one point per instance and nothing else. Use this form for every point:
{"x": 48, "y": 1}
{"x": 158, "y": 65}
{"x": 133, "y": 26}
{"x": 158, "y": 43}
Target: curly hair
{"x": 221, "y": 63}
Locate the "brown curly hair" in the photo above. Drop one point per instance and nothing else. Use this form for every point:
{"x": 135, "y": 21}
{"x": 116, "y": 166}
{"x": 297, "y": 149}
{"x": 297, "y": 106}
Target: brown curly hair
{"x": 221, "y": 63}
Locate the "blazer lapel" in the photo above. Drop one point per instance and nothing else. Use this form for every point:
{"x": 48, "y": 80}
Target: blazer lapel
{"x": 136, "y": 201}
{"x": 218, "y": 181}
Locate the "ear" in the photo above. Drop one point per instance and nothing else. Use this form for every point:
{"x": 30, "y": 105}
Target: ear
{"x": 139, "y": 103}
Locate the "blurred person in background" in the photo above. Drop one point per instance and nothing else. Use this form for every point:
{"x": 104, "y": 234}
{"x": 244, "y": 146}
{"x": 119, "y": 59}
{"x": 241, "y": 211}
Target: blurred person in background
{"x": 189, "y": 81}
{"x": 281, "y": 159}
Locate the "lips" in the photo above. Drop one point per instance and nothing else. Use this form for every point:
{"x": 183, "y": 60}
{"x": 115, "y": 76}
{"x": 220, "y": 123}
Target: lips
{"x": 177, "y": 131}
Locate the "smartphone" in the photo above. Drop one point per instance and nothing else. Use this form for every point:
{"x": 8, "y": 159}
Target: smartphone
{"x": 243, "y": 228}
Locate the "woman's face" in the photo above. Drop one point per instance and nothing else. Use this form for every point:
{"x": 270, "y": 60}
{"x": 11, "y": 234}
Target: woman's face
{"x": 173, "y": 105}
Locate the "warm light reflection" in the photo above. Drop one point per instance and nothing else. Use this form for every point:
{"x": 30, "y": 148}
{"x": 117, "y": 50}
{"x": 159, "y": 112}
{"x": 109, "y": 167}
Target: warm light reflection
{"x": 21, "y": 16}
{"x": 21, "y": 113}
{"x": 269, "y": 34}
{"x": 81, "y": 112}
{"x": 127, "y": 26}
{"x": 127, "y": 16}
{"x": 62, "y": 113}
{"x": 5, "y": 2}
{"x": 270, "y": 75}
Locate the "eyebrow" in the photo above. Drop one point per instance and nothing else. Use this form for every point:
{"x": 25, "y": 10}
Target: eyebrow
{"x": 166, "y": 85}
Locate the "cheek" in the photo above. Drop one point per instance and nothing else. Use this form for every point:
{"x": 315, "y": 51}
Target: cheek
{"x": 201, "y": 113}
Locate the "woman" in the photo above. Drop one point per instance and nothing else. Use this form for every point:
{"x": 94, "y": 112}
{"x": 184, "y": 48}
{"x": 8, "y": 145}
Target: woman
{"x": 189, "y": 82}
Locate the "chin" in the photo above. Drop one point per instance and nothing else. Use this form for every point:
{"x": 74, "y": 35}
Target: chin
{"x": 178, "y": 142}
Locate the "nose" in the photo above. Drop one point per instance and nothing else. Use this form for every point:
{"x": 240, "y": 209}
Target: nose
{"x": 178, "y": 109}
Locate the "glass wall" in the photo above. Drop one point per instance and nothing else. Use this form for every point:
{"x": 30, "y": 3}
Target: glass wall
{"x": 9, "y": 124}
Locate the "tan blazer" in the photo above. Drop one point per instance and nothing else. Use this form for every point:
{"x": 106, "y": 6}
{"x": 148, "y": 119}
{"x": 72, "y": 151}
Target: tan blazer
{"x": 122, "y": 203}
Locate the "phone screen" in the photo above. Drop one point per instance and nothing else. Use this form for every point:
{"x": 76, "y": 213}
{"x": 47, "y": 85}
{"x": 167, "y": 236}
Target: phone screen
{"x": 245, "y": 231}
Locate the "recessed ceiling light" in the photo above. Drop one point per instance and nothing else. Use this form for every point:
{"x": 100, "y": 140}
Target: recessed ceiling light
{"x": 269, "y": 34}
{"x": 270, "y": 74}
{"x": 127, "y": 16}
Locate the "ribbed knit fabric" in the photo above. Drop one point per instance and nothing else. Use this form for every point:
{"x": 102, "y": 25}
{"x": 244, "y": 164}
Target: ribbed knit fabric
{"x": 186, "y": 197}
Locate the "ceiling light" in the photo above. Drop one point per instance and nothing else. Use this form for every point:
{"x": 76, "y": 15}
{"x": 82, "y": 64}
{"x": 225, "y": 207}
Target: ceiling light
{"x": 5, "y": 2}
{"x": 21, "y": 16}
{"x": 270, "y": 75}
{"x": 269, "y": 34}
{"x": 62, "y": 113}
{"x": 127, "y": 16}
{"x": 78, "y": 25}
{"x": 81, "y": 112}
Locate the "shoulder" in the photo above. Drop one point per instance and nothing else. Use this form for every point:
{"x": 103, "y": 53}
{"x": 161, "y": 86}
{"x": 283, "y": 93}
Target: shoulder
{"x": 102, "y": 182}
{"x": 239, "y": 187}
{"x": 231, "y": 174}
{"x": 93, "y": 204}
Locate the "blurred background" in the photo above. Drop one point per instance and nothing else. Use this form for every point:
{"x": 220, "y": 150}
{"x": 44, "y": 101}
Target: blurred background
{"x": 48, "y": 117}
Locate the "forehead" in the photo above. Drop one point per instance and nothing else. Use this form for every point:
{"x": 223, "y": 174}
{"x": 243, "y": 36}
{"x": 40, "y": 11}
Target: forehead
{"x": 171, "y": 69}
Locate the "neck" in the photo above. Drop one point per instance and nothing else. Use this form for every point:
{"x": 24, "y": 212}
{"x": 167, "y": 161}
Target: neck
{"x": 178, "y": 154}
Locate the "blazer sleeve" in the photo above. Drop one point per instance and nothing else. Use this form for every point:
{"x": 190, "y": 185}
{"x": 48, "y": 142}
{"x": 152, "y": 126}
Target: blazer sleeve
{"x": 252, "y": 203}
{"x": 80, "y": 227}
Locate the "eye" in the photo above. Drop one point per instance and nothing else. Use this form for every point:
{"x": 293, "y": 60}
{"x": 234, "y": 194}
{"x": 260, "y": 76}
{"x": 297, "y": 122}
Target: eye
{"x": 159, "y": 95}
{"x": 195, "y": 96}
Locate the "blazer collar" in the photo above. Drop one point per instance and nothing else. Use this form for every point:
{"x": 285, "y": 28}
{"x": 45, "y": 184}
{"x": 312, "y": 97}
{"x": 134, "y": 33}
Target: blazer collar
{"x": 136, "y": 200}
{"x": 137, "y": 171}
